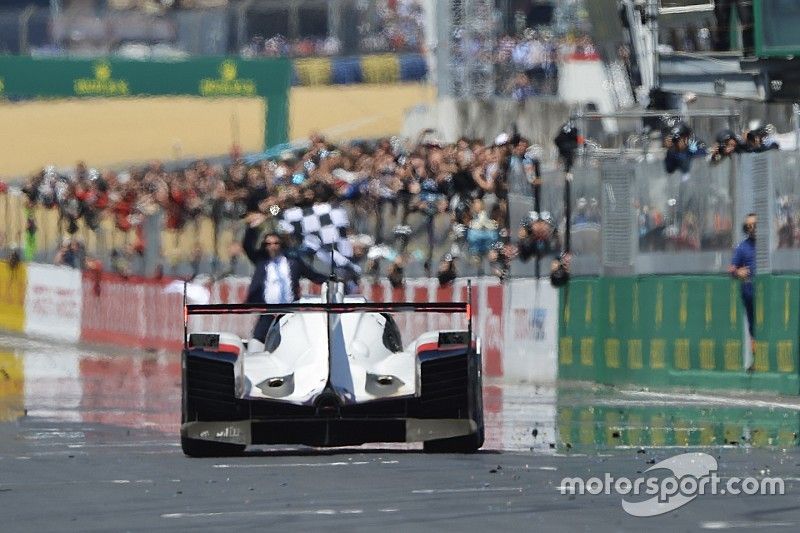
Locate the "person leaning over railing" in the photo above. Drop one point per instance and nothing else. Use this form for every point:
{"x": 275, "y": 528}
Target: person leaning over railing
{"x": 728, "y": 144}
{"x": 682, "y": 147}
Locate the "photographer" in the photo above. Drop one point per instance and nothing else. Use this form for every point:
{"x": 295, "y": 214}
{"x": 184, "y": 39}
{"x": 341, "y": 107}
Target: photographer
{"x": 758, "y": 140}
{"x": 396, "y": 273}
{"x": 538, "y": 236}
{"x": 727, "y": 145}
{"x": 533, "y": 173}
{"x": 447, "y": 273}
{"x": 559, "y": 270}
{"x": 567, "y": 141}
{"x": 503, "y": 148}
{"x": 464, "y": 188}
{"x": 682, "y": 147}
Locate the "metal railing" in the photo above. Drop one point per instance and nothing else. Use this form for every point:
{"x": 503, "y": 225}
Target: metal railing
{"x": 685, "y": 6}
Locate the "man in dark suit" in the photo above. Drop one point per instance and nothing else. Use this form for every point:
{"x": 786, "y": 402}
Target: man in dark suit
{"x": 276, "y": 279}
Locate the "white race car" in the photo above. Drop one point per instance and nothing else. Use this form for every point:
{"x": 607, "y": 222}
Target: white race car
{"x": 332, "y": 372}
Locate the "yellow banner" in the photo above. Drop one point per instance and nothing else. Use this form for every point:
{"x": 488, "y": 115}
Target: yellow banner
{"x": 313, "y": 71}
{"x": 381, "y": 68}
{"x": 12, "y": 297}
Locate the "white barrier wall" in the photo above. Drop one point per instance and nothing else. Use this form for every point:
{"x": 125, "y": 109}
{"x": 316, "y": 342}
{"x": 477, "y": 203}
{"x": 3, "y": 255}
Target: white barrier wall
{"x": 52, "y": 377}
{"x": 53, "y": 302}
{"x": 530, "y": 339}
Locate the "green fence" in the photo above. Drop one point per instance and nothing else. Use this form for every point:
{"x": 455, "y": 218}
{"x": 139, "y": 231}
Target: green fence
{"x": 585, "y": 427}
{"x": 679, "y": 331}
{"x": 25, "y": 77}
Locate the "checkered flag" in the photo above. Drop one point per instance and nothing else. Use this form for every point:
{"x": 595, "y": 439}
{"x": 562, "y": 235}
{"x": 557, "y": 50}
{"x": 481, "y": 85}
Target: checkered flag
{"x": 321, "y": 228}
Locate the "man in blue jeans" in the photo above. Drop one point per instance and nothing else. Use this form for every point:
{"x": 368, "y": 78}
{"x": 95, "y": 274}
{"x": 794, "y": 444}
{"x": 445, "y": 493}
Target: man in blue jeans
{"x": 743, "y": 267}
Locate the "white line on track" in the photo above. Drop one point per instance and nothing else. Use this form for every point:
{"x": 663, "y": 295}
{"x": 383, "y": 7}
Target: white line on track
{"x": 718, "y": 400}
{"x": 295, "y": 465}
{"x": 298, "y": 512}
{"x": 474, "y": 489}
{"x": 60, "y": 453}
{"x": 745, "y": 525}
{"x": 679, "y": 446}
{"x": 74, "y": 482}
{"x": 141, "y": 444}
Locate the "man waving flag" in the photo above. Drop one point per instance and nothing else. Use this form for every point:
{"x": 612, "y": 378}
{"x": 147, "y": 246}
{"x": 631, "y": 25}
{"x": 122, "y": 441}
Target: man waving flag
{"x": 322, "y": 230}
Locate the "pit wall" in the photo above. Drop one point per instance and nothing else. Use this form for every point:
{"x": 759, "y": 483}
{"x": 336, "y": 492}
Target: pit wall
{"x": 516, "y": 321}
{"x": 685, "y": 331}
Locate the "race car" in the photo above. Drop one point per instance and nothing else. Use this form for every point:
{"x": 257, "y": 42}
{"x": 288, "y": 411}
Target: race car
{"x": 333, "y": 371}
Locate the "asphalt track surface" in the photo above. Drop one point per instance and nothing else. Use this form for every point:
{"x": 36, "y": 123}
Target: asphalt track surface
{"x": 88, "y": 442}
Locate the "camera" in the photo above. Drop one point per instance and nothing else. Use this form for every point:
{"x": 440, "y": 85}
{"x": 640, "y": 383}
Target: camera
{"x": 537, "y": 234}
{"x": 396, "y": 275}
{"x": 447, "y": 272}
{"x": 559, "y": 273}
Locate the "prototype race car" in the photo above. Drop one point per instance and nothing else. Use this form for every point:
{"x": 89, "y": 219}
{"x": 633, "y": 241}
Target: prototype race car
{"x": 332, "y": 372}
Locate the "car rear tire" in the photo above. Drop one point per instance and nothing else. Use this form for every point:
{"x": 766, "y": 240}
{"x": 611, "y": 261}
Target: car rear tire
{"x": 468, "y": 443}
{"x": 205, "y": 448}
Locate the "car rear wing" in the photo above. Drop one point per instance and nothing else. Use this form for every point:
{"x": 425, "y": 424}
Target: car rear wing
{"x": 338, "y": 308}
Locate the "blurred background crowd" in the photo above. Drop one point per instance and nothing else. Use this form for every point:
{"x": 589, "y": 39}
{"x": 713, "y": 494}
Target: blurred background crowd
{"x": 451, "y": 199}
{"x": 384, "y": 26}
{"x": 521, "y": 42}
{"x": 421, "y": 186}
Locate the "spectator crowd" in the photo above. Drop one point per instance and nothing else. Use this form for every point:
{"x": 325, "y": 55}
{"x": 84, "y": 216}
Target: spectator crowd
{"x": 524, "y": 63}
{"x": 383, "y": 26}
{"x": 396, "y": 193}
{"x": 465, "y": 183}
